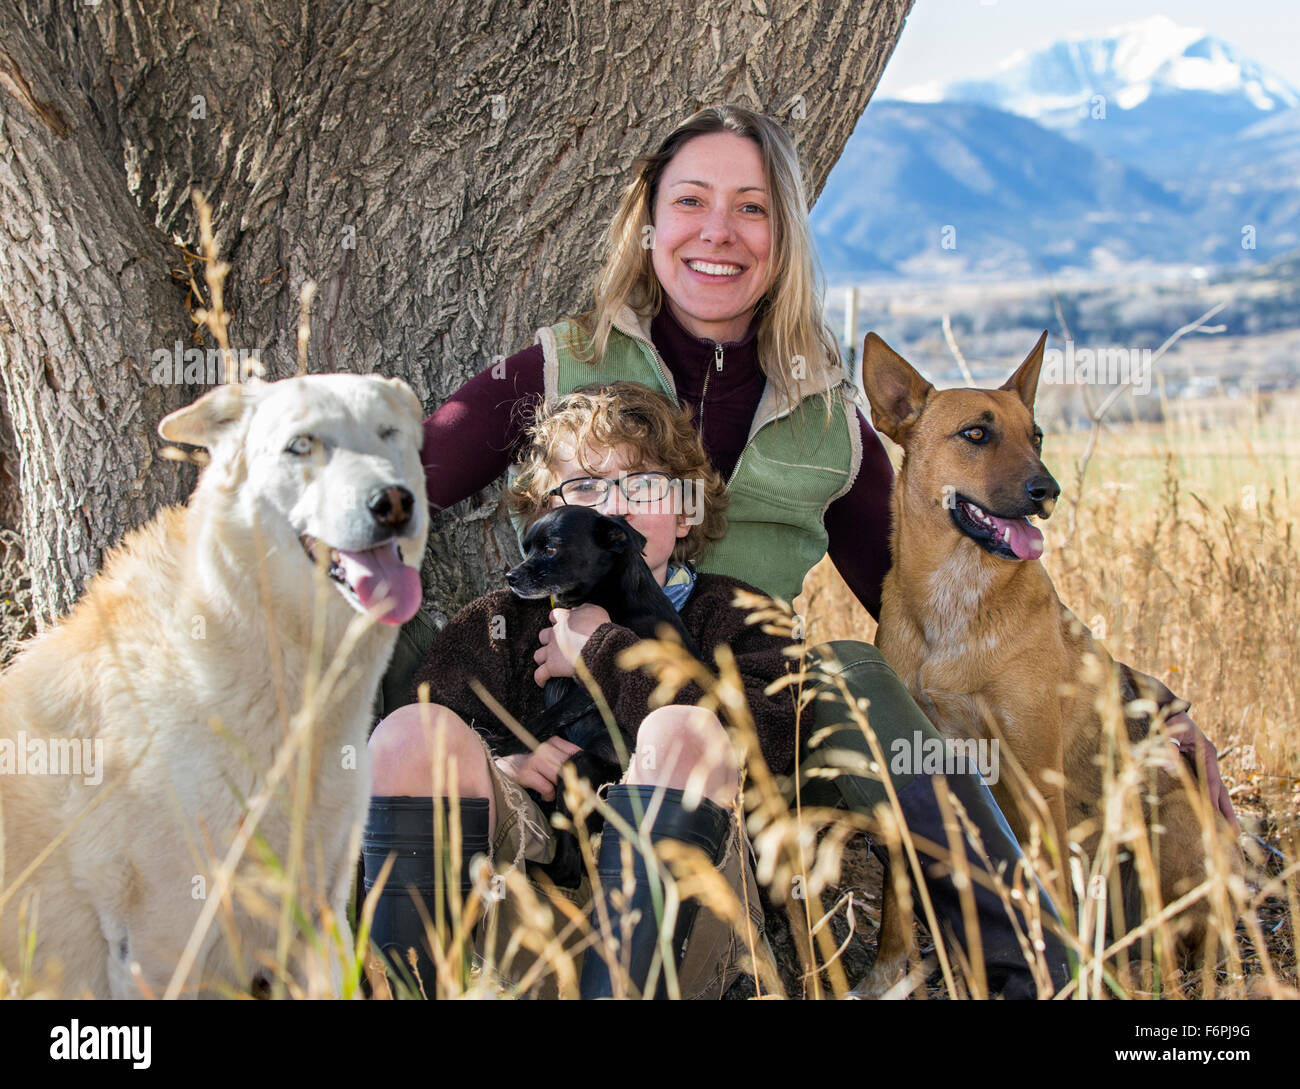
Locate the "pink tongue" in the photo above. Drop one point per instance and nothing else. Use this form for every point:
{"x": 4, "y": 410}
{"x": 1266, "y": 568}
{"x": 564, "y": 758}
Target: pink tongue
{"x": 379, "y": 573}
{"x": 1026, "y": 541}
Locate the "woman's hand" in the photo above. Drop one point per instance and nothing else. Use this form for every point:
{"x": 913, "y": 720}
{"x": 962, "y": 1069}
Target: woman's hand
{"x": 539, "y": 770}
{"x": 1192, "y": 742}
{"x": 564, "y": 640}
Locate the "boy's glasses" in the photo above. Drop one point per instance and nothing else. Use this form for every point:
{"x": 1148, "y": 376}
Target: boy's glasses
{"x": 592, "y": 491}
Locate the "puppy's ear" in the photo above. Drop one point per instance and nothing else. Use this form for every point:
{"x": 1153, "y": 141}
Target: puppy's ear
{"x": 212, "y": 415}
{"x": 896, "y": 391}
{"x": 614, "y": 535}
{"x": 1024, "y": 383}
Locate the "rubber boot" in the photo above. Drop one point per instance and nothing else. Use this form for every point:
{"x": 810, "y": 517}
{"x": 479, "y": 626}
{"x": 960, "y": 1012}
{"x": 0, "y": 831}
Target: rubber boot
{"x": 404, "y": 826}
{"x": 1007, "y": 971}
{"x": 707, "y": 827}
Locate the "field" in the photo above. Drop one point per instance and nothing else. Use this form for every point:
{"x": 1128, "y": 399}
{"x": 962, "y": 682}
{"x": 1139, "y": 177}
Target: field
{"x": 1178, "y": 547}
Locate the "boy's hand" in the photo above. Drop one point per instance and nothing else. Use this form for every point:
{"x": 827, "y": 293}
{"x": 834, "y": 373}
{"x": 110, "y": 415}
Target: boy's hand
{"x": 564, "y": 640}
{"x": 539, "y": 770}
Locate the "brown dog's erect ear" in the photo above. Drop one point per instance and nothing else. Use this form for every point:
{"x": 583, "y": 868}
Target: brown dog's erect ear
{"x": 1024, "y": 383}
{"x": 201, "y": 423}
{"x": 896, "y": 391}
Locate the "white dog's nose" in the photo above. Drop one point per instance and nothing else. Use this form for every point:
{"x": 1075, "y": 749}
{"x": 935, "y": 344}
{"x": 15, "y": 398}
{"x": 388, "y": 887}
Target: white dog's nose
{"x": 391, "y": 506}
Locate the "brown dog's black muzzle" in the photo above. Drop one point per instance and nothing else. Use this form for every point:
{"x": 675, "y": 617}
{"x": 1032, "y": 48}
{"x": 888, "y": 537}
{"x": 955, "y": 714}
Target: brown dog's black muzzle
{"x": 1042, "y": 489}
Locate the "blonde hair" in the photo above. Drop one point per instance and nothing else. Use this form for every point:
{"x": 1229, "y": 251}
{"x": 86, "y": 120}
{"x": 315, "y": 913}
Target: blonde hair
{"x": 621, "y": 416}
{"x": 791, "y": 325}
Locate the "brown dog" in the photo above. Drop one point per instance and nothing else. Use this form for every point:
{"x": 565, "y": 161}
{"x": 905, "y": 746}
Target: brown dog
{"x": 972, "y": 625}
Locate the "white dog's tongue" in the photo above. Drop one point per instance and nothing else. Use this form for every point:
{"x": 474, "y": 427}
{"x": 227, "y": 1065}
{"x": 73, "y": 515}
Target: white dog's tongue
{"x": 1021, "y": 536}
{"x": 379, "y": 573}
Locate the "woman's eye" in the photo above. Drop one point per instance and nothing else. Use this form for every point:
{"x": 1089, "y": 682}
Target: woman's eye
{"x": 693, "y": 200}
{"x": 299, "y": 446}
{"x": 974, "y": 434}
{"x": 755, "y": 209}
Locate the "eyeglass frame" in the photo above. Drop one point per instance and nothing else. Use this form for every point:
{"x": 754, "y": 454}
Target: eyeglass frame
{"x": 621, "y": 482}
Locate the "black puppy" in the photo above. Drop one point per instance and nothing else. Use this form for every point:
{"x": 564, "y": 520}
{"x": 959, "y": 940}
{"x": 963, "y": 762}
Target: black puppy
{"x": 579, "y": 556}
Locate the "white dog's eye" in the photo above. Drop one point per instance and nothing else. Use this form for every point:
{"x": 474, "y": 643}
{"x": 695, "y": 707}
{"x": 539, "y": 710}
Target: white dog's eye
{"x": 300, "y": 446}
{"x": 387, "y": 433}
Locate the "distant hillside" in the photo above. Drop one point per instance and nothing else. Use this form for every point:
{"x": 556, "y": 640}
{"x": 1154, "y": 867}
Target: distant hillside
{"x": 1156, "y": 144}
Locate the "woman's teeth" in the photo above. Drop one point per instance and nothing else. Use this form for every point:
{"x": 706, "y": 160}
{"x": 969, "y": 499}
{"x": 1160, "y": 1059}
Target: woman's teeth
{"x": 714, "y": 270}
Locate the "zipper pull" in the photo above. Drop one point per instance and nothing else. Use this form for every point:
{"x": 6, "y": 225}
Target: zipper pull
{"x": 717, "y": 357}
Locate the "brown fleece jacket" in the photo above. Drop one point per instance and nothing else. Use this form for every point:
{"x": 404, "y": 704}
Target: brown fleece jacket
{"x": 493, "y": 639}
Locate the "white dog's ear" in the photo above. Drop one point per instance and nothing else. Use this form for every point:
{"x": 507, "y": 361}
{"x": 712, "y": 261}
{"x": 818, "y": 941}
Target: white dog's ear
{"x": 202, "y": 423}
{"x": 407, "y": 397}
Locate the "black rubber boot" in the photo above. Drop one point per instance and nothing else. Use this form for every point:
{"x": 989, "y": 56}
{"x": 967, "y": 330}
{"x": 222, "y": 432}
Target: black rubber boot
{"x": 1007, "y": 971}
{"x": 404, "y": 826}
{"x": 707, "y": 827}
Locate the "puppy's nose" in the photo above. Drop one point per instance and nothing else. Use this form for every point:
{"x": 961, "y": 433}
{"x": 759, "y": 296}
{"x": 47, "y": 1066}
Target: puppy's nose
{"x": 512, "y": 576}
{"x": 391, "y": 506}
{"x": 1042, "y": 488}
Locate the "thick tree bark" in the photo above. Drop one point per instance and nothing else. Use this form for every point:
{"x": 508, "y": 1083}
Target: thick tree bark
{"x": 442, "y": 169}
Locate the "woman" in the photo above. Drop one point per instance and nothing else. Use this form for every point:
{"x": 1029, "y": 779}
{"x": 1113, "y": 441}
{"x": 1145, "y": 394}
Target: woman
{"x": 709, "y": 293}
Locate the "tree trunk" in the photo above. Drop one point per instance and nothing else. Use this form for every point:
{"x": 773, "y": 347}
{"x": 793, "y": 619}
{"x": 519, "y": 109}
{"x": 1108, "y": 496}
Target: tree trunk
{"x": 442, "y": 169}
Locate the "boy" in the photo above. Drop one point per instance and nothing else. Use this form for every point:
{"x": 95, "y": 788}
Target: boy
{"x": 625, "y": 450}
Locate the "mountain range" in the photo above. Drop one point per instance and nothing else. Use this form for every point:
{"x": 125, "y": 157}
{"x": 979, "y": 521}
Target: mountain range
{"x": 1155, "y": 144}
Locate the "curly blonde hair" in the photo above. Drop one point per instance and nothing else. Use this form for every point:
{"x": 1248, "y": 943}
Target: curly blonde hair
{"x": 630, "y": 417}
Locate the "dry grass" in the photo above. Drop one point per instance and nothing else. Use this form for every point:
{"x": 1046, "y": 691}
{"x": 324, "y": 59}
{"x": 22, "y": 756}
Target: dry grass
{"x": 1183, "y": 553}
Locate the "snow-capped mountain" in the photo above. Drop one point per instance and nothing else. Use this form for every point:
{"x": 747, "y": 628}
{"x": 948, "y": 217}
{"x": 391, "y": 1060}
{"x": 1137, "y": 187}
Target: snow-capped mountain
{"x": 1128, "y": 67}
{"x": 924, "y": 187}
{"x": 1154, "y": 143}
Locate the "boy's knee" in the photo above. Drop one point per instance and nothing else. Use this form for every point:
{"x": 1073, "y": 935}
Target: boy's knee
{"x": 673, "y": 741}
{"x": 677, "y": 724}
{"x": 414, "y": 750}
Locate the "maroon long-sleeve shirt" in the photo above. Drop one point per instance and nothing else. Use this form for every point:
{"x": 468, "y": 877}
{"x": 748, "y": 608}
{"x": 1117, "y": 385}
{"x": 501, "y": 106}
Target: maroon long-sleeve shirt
{"x": 476, "y": 434}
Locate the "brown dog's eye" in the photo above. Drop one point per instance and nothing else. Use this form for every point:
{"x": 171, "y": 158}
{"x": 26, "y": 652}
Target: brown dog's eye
{"x": 549, "y": 550}
{"x": 974, "y": 434}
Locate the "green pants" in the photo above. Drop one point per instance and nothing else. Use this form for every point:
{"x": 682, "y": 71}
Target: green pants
{"x": 837, "y": 740}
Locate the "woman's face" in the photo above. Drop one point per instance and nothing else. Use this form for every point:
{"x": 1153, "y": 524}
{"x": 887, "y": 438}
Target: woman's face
{"x": 713, "y": 238}
{"x": 660, "y": 526}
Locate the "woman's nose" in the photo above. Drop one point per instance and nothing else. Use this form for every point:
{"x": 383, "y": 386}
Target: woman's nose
{"x": 717, "y": 227}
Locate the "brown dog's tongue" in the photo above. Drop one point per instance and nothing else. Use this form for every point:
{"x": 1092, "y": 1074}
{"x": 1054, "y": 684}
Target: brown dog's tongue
{"x": 379, "y": 573}
{"x": 1023, "y": 538}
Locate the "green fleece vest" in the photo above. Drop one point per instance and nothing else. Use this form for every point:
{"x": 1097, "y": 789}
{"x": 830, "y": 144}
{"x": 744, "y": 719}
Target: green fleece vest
{"x": 791, "y": 469}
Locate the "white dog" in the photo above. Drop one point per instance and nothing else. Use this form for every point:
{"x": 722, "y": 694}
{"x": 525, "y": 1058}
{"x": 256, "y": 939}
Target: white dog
{"x": 214, "y": 681}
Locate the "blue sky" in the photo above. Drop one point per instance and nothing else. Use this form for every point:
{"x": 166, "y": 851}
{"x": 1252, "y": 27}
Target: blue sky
{"x": 956, "y": 39}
